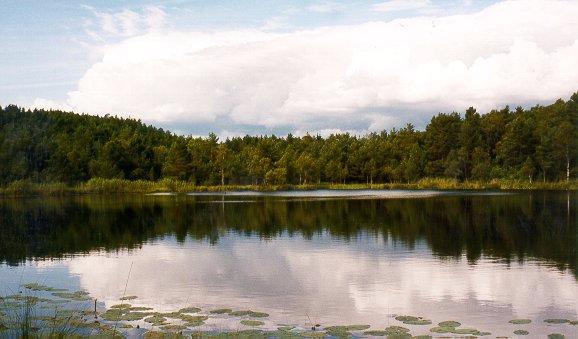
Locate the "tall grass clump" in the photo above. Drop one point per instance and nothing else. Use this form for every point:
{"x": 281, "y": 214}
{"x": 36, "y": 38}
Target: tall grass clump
{"x": 22, "y": 188}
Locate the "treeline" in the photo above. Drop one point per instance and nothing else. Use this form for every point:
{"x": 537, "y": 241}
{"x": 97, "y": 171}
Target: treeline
{"x": 540, "y": 143}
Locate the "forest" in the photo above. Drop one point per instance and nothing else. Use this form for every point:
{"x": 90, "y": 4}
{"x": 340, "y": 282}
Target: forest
{"x": 535, "y": 144}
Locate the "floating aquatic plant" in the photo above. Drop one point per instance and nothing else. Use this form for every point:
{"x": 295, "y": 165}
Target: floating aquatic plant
{"x": 132, "y": 316}
{"x": 173, "y": 315}
{"x": 556, "y": 336}
{"x": 520, "y": 321}
{"x": 121, "y": 306}
{"x": 471, "y": 331}
{"x": 521, "y": 332}
{"x": 250, "y": 314}
{"x": 357, "y": 327}
{"x": 556, "y": 321}
{"x": 156, "y": 320}
{"x": 396, "y": 330}
{"x": 77, "y": 296}
{"x": 221, "y": 311}
{"x": 449, "y": 323}
{"x": 442, "y": 329}
{"x": 461, "y": 331}
{"x": 285, "y": 327}
{"x": 248, "y": 322}
{"x": 39, "y": 287}
{"x": 128, "y": 297}
{"x": 112, "y": 315}
{"x": 139, "y": 308}
{"x": 124, "y": 315}
{"x": 193, "y": 318}
{"x": 411, "y": 320}
{"x": 190, "y": 310}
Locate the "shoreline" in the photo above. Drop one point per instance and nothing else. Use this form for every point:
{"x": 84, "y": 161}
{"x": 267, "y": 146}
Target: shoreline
{"x": 167, "y": 186}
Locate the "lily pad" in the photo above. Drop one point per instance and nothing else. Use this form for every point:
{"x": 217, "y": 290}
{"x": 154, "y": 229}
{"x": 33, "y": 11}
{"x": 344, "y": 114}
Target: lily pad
{"x": 521, "y": 332}
{"x": 193, "y": 318}
{"x": 190, "y": 310}
{"x": 397, "y": 331}
{"x": 121, "y": 306}
{"x": 357, "y": 327}
{"x": 418, "y": 322}
{"x": 520, "y": 321}
{"x": 156, "y": 320}
{"x": 442, "y": 329}
{"x": 39, "y": 287}
{"x": 471, "y": 331}
{"x": 556, "y": 336}
{"x": 449, "y": 323}
{"x": 250, "y": 314}
{"x": 248, "y": 322}
{"x": 112, "y": 315}
{"x": 128, "y": 297}
{"x": 221, "y": 311}
{"x": 77, "y": 296}
{"x": 140, "y": 308}
{"x": 285, "y": 328}
{"x": 556, "y": 321}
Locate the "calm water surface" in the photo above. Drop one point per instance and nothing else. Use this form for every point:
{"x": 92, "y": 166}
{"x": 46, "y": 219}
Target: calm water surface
{"x": 328, "y": 257}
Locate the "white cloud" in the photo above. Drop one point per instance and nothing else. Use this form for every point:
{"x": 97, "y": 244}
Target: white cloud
{"x": 126, "y": 23}
{"x": 402, "y": 5}
{"x": 50, "y": 104}
{"x": 358, "y": 77}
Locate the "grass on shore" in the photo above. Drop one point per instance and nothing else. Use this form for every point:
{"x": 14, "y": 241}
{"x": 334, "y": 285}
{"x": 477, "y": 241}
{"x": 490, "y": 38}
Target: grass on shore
{"x": 114, "y": 186}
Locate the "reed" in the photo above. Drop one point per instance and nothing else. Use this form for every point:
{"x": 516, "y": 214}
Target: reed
{"x": 23, "y": 188}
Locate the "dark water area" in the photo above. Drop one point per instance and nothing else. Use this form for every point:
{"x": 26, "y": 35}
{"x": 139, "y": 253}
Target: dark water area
{"x": 329, "y": 257}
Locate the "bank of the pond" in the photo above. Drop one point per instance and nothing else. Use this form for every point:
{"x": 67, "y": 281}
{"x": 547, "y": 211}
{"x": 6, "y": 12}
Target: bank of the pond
{"x": 115, "y": 186}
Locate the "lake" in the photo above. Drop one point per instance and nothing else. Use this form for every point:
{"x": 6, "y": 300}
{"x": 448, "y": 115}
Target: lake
{"x": 306, "y": 258}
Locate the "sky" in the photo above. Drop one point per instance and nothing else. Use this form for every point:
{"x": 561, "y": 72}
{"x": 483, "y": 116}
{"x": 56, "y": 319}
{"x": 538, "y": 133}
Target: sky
{"x": 278, "y": 67}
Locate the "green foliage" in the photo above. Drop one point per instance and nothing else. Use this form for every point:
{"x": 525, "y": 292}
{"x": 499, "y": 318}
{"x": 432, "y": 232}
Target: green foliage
{"x": 110, "y": 154}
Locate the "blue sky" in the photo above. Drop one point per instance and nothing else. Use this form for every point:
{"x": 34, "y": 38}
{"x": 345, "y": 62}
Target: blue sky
{"x": 343, "y": 60}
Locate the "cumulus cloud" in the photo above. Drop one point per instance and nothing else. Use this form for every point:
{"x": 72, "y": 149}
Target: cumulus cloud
{"x": 50, "y": 104}
{"x": 360, "y": 77}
